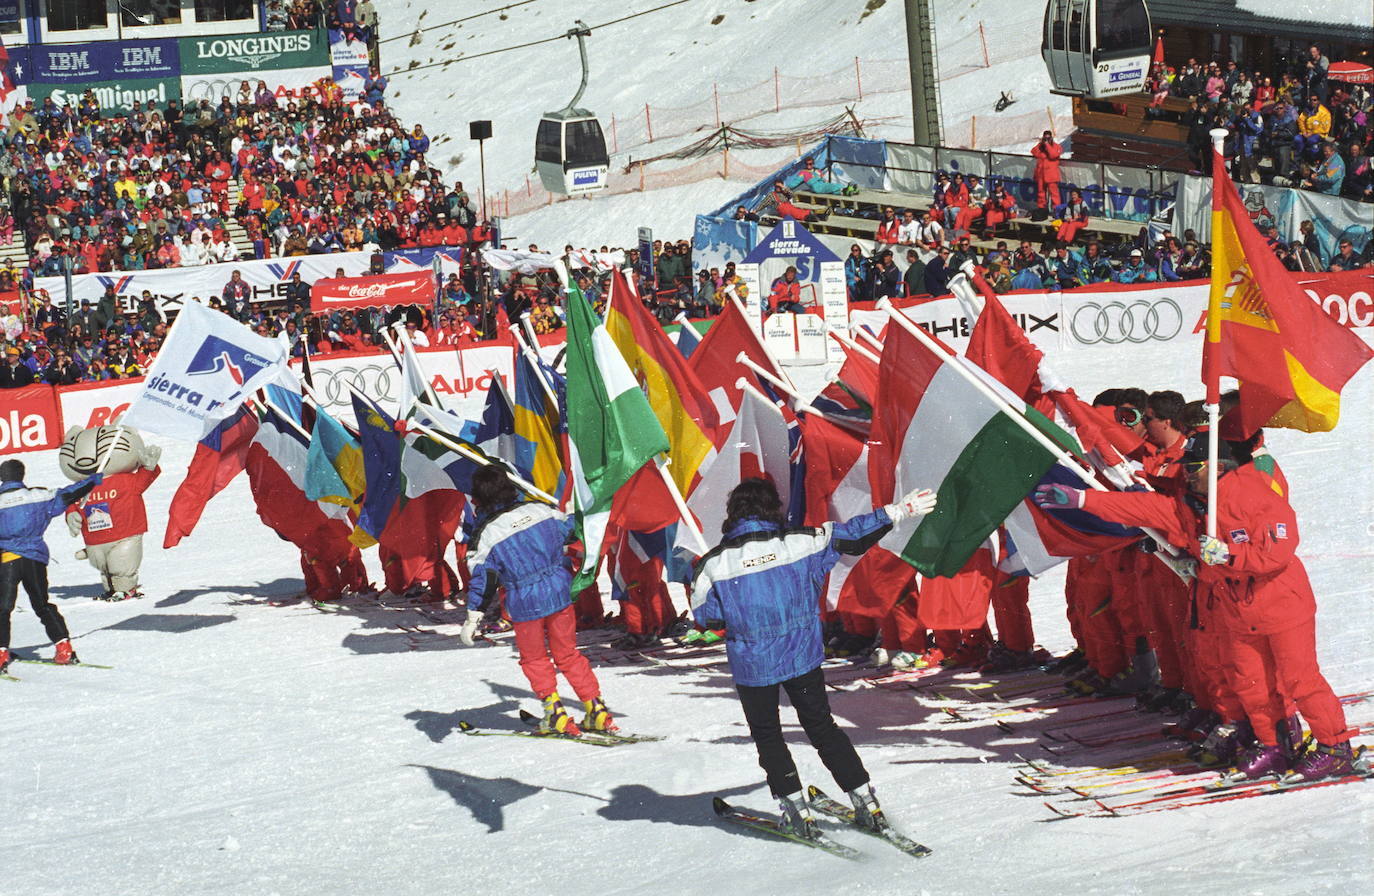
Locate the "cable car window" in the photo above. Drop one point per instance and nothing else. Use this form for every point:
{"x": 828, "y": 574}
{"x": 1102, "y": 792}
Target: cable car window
{"x": 1057, "y": 26}
{"x": 1076, "y": 29}
{"x": 1122, "y": 25}
{"x": 548, "y": 142}
{"x": 586, "y": 145}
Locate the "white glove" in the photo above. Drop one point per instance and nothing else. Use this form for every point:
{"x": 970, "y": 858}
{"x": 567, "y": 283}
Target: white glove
{"x": 918, "y": 502}
{"x": 468, "y": 635}
{"x": 151, "y": 455}
{"x": 73, "y": 523}
{"x": 1213, "y": 551}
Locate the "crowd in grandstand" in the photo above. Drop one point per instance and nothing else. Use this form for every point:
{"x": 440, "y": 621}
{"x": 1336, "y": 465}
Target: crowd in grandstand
{"x": 1297, "y": 128}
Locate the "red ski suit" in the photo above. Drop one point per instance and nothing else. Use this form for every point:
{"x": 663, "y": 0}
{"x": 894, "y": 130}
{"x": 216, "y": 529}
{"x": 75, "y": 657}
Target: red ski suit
{"x": 1260, "y": 600}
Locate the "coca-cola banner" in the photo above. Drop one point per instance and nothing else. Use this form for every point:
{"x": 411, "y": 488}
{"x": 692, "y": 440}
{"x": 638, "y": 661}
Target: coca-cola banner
{"x": 30, "y": 420}
{"x": 406, "y": 288}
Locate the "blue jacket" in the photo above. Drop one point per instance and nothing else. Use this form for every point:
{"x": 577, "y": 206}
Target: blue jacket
{"x": 763, "y": 585}
{"x": 521, "y": 547}
{"x": 25, "y": 513}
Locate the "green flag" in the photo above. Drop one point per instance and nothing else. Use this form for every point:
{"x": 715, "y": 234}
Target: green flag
{"x": 612, "y": 430}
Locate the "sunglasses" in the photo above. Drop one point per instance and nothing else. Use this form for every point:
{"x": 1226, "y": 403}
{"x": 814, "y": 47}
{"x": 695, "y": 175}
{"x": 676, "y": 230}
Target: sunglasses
{"x": 1128, "y": 416}
{"x": 1193, "y": 467}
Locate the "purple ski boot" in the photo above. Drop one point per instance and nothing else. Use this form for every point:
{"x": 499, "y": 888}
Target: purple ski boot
{"x": 1323, "y": 761}
{"x": 1258, "y": 762}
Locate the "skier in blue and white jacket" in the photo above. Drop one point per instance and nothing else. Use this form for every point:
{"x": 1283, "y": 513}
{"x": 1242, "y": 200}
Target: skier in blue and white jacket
{"x": 763, "y": 584}
{"x": 24, "y": 516}
{"x": 520, "y": 545}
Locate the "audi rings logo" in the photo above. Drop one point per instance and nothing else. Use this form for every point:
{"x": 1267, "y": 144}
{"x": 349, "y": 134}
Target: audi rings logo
{"x": 374, "y": 382}
{"x": 1136, "y": 321}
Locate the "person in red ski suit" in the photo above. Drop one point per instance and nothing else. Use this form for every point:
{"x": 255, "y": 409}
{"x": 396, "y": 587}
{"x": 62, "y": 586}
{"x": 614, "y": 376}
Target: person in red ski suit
{"x": 1046, "y": 154}
{"x": 1251, "y": 585}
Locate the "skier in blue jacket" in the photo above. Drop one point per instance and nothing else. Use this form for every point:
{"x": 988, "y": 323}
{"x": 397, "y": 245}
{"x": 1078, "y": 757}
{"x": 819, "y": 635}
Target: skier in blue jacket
{"x": 762, "y": 584}
{"x": 520, "y": 545}
{"x": 24, "y": 515}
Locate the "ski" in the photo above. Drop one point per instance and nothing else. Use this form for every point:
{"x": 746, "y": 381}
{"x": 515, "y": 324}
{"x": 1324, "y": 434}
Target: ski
{"x": 43, "y": 662}
{"x": 1184, "y": 800}
{"x": 835, "y": 809}
{"x": 472, "y": 730}
{"x": 8, "y": 677}
{"x": 772, "y": 826}
{"x": 533, "y": 720}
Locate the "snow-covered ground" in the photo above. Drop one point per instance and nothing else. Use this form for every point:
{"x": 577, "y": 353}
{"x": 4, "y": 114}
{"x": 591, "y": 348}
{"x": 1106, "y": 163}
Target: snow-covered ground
{"x": 239, "y": 747}
{"x": 670, "y": 60}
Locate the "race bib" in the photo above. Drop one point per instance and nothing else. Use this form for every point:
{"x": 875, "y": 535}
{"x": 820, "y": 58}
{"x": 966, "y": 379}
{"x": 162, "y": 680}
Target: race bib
{"x": 98, "y": 517}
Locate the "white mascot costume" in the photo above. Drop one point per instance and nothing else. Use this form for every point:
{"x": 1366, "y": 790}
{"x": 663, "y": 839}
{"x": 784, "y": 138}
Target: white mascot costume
{"x": 112, "y": 519}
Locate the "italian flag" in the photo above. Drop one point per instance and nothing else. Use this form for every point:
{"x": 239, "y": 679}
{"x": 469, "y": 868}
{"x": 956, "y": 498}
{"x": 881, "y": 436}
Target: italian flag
{"x": 933, "y": 428}
{"x": 612, "y": 430}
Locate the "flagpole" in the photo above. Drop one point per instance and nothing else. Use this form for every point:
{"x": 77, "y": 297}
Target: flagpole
{"x": 743, "y": 385}
{"x": 404, "y": 339}
{"x": 802, "y": 404}
{"x": 1211, "y": 377}
{"x": 481, "y": 461}
{"x": 848, "y": 343}
{"x": 267, "y": 403}
{"x": 871, "y": 339}
{"x": 681, "y": 504}
{"x": 534, "y": 359}
{"x": 1015, "y": 414}
{"x": 763, "y": 346}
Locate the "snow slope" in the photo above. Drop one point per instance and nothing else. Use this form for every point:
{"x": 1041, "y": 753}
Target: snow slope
{"x": 671, "y": 59}
{"x": 238, "y": 747}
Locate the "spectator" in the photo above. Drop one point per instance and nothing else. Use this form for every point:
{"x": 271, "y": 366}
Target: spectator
{"x": 887, "y": 281}
{"x": 14, "y": 373}
{"x": 1075, "y": 217}
{"x": 1046, "y": 154}
{"x": 856, "y": 271}
{"x": 914, "y": 278}
{"x": 1135, "y": 270}
{"x": 1345, "y": 258}
{"x": 1329, "y": 173}
{"x": 1314, "y": 124}
{"x": 785, "y": 294}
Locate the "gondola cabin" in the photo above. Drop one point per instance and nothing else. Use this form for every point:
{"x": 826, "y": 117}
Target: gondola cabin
{"x": 570, "y": 153}
{"x": 1097, "y": 48}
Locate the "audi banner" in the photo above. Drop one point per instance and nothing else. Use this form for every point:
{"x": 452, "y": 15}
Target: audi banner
{"x": 460, "y": 378}
{"x": 1135, "y": 314}
{"x": 406, "y": 288}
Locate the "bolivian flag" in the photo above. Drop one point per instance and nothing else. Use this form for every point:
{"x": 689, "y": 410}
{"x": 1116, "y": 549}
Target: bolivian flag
{"x": 682, "y": 407}
{"x": 1291, "y": 359}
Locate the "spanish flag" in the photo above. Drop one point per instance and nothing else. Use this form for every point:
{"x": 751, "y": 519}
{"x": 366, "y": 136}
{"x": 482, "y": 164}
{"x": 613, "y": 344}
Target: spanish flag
{"x": 1291, "y": 359}
{"x": 682, "y": 407}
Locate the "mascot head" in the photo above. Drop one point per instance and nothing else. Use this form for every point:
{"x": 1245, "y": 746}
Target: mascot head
{"x": 83, "y": 449}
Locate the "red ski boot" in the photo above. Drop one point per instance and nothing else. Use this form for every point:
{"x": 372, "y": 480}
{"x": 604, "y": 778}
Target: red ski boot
{"x": 65, "y": 656}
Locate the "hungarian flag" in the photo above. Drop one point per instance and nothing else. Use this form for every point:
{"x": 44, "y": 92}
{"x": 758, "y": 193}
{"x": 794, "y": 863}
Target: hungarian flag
{"x": 934, "y": 428}
{"x": 612, "y": 430}
{"x": 678, "y": 400}
{"x": 219, "y": 457}
{"x": 1291, "y": 359}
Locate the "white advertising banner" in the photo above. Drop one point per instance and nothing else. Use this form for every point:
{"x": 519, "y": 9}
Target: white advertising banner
{"x": 171, "y": 287}
{"x": 97, "y": 404}
{"x": 461, "y": 379}
{"x": 285, "y": 83}
{"x": 1038, "y": 313}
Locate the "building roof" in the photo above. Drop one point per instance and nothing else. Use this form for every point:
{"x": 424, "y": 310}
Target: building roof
{"x": 1349, "y": 22}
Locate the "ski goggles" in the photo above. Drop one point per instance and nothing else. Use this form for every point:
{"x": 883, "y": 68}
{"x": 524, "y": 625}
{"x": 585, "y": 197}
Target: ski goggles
{"x": 1129, "y": 416}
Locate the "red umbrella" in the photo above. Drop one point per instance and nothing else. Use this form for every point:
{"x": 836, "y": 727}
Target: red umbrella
{"x": 1351, "y": 72}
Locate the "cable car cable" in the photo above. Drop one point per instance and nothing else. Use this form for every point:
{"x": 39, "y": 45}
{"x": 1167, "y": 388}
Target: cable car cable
{"x": 479, "y": 15}
{"x": 535, "y": 43}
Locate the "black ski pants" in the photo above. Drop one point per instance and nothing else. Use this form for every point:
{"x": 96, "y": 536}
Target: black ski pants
{"x": 34, "y": 577}
{"x": 807, "y": 693}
